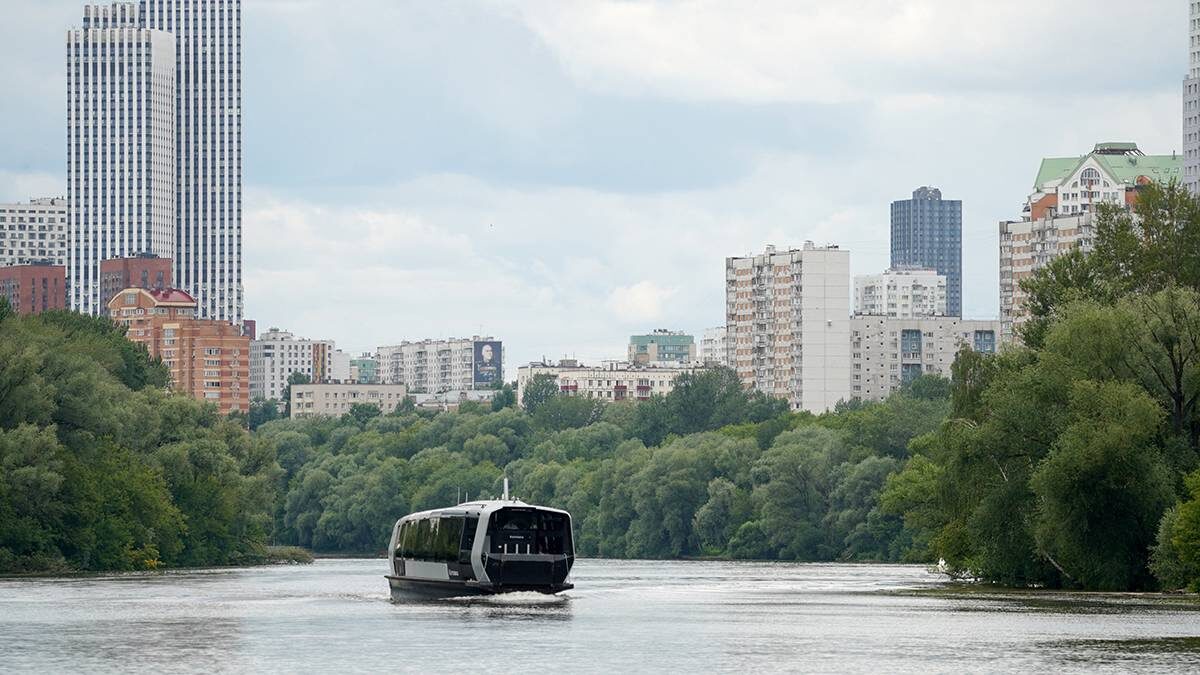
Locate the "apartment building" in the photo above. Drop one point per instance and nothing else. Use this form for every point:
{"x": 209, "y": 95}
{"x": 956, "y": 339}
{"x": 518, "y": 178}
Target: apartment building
{"x": 888, "y": 353}
{"x": 34, "y": 233}
{"x": 713, "y": 347}
{"x": 335, "y": 400}
{"x": 437, "y": 366}
{"x": 901, "y": 293}
{"x": 208, "y": 359}
{"x": 788, "y": 324}
{"x": 663, "y": 346}
{"x": 611, "y": 381}
{"x": 277, "y": 354}
{"x": 1059, "y": 214}
{"x": 1191, "y": 103}
{"x": 145, "y": 270}
{"x": 33, "y": 289}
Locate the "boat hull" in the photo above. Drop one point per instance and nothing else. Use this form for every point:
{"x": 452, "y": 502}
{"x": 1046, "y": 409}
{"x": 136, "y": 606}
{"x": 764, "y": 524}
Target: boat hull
{"x": 407, "y": 588}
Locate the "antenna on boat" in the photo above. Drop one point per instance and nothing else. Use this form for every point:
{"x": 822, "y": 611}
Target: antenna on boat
{"x": 505, "y": 497}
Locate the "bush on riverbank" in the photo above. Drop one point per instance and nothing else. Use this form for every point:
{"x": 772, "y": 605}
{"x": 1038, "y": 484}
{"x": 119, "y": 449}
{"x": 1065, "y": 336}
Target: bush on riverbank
{"x": 102, "y": 469}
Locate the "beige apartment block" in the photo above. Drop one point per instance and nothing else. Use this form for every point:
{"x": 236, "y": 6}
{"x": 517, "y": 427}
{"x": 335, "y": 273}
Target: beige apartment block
{"x": 335, "y": 400}
{"x": 788, "y": 324}
{"x": 888, "y": 353}
{"x": 610, "y": 381}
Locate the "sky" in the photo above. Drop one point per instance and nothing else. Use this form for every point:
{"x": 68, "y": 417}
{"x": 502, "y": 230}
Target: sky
{"x": 564, "y": 174}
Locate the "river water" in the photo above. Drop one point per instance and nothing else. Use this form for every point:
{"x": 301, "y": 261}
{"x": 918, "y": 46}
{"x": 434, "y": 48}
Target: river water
{"x": 335, "y": 615}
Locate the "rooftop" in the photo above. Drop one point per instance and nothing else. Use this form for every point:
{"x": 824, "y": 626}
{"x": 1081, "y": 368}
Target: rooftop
{"x": 1124, "y": 161}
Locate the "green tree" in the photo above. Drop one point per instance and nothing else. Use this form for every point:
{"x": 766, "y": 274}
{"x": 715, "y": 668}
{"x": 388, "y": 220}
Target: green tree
{"x": 361, "y": 413}
{"x": 506, "y": 397}
{"x": 262, "y": 411}
{"x": 295, "y": 378}
{"x": 539, "y": 390}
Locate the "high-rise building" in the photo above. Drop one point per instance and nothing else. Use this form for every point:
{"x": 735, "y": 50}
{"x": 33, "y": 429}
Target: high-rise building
{"x": 33, "y": 232}
{"x": 1058, "y": 214}
{"x": 208, "y": 45}
{"x": 927, "y": 233}
{"x": 437, "y": 366}
{"x": 121, "y": 199}
{"x": 277, "y": 354}
{"x": 888, "y": 353}
{"x": 662, "y": 346}
{"x": 141, "y": 271}
{"x": 208, "y": 359}
{"x": 1191, "y": 103}
{"x": 788, "y": 324}
{"x": 714, "y": 347}
{"x": 33, "y": 289}
{"x": 154, "y": 138}
{"x": 901, "y": 293}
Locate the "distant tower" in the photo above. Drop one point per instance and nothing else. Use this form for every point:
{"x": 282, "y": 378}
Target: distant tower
{"x": 1191, "y": 104}
{"x": 208, "y": 45}
{"x": 927, "y": 233}
{"x": 154, "y": 96}
{"x": 120, "y": 146}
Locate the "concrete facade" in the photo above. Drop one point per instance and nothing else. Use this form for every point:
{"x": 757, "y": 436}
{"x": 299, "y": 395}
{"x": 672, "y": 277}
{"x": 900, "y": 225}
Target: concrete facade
{"x": 610, "y": 382}
{"x": 277, "y": 354}
{"x": 1191, "y": 103}
{"x": 927, "y": 233}
{"x": 335, "y": 400}
{"x": 714, "y": 348}
{"x": 788, "y": 324}
{"x": 33, "y": 233}
{"x": 903, "y": 294}
{"x": 434, "y": 366}
{"x": 888, "y": 353}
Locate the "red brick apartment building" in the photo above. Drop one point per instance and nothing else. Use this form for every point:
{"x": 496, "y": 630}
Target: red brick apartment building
{"x": 33, "y": 289}
{"x": 209, "y": 359}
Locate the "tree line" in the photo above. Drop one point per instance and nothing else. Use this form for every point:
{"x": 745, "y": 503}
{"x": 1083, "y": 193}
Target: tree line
{"x": 1069, "y": 462}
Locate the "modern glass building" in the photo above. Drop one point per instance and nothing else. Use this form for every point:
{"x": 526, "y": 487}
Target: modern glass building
{"x": 927, "y": 233}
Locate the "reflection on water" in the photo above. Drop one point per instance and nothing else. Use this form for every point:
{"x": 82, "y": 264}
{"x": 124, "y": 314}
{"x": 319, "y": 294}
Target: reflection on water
{"x": 337, "y": 615}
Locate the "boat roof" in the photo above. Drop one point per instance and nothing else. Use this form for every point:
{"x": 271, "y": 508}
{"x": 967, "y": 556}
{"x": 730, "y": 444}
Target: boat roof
{"x": 478, "y": 507}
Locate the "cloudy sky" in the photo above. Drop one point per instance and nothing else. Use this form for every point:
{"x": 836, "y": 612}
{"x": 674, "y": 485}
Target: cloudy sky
{"x": 561, "y": 174}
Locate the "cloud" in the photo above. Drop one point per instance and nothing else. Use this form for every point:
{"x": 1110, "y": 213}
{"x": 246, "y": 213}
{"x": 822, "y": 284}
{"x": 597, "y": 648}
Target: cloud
{"x": 813, "y": 50}
{"x": 643, "y": 301}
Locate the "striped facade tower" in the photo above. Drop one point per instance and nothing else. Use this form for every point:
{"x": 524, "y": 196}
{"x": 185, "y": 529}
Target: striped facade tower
{"x": 204, "y": 41}
{"x": 121, "y": 186}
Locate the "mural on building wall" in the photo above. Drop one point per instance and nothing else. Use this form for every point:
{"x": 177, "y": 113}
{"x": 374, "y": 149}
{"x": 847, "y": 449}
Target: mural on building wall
{"x": 488, "y": 363}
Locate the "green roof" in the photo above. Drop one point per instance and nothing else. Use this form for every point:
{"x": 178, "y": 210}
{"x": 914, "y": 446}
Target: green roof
{"x": 1126, "y": 168}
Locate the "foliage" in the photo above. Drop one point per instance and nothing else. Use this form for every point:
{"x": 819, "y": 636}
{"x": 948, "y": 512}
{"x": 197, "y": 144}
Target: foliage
{"x": 539, "y": 390}
{"x": 101, "y": 469}
{"x": 1176, "y": 559}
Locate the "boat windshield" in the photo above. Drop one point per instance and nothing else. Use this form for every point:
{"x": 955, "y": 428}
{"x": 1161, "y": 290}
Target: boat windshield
{"x": 520, "y": 530}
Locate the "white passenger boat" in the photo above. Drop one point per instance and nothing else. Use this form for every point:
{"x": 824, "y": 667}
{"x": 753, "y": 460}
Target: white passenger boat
{"x": 481, "y": 548}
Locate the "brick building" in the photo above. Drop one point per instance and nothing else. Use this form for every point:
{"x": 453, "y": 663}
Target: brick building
{"x": 209, "y": 359}
{"x": 33, "y": 289}
{"x": 145, "y": 270}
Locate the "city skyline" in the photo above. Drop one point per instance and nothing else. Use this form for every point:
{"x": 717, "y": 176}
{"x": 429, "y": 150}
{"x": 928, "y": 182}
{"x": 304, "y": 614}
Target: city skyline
{"x": 576, "y": 197}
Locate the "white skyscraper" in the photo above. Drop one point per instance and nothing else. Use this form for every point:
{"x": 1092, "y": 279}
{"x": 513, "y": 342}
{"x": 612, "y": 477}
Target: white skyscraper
{"x": 117, "y": 70}
{"x": 120, "y": 145}
{"x": 208, "y": 44}
{"x": 1191, "y": 103}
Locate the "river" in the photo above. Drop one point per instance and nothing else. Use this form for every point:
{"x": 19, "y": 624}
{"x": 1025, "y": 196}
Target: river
{"x": 622, "y": 617}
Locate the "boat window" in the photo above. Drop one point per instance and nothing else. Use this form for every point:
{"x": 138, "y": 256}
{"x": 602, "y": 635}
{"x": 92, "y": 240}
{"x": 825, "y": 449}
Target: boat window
{"x": 423, "y": 540}
{"x": 468, "y": 538}
{"x": 449, "y": 532}
{"x": 402, "y": 545}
